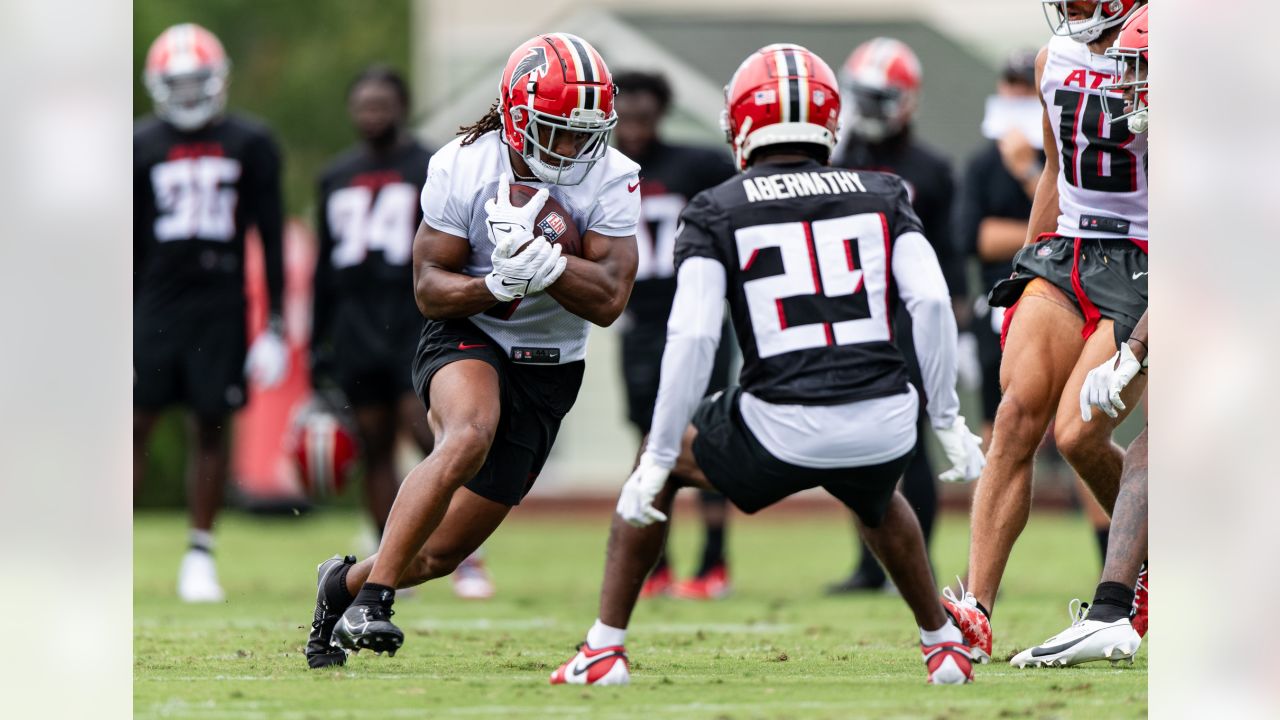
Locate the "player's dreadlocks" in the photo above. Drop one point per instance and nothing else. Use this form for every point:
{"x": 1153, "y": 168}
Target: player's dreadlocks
{"x": 490, "y": 121}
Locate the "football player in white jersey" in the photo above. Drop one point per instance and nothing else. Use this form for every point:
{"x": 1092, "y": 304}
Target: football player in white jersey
{"x": 1078, "y": 288}
{"x": 500, "y": 360}
{"x": 1112, "y": 627}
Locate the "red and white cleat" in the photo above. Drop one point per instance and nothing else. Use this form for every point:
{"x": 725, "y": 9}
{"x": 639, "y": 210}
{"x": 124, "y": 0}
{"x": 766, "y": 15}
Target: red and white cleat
{"x": 657, "y": 584}
{"x": 712, "y": 585}
{"x": 973, "y": 624}
{"x": 471, "y": 580}
{"x": 948, "y": 663}
{"x": 1141, "y": 596}
{"x": 606, "y": 666}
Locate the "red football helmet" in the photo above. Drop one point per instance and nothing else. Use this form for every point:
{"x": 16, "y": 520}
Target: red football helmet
{"x": 1090, "y": 19}
{"x": 186, "y": 76}
{"x": 552, "y": 84}
{"x": 323, "y": 449}
{"x": 781, "y": 93}
{"x": 880, "y": 87}
{"x": 1130, "y": 53}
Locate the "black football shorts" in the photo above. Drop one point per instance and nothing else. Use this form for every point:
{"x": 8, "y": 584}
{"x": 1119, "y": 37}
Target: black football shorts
{"x": 1105, "y": 277}
{"x": 642, "y": 347}
{"x": 374, "y": 344}
{"x": 197, "y": 363}
{"x": 753, "y": 479}
{"x": 534, "y": 399}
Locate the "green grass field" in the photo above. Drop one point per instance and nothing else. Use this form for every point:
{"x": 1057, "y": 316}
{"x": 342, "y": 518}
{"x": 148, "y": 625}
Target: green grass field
{"x": 776, "y": 649}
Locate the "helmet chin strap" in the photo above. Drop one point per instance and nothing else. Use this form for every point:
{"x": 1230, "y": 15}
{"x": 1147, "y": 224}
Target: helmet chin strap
{"x": 1138, "y": 122}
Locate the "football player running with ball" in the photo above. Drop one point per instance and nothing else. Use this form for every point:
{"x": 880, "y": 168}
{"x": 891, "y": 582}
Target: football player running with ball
{"x": 1078, "y": 288}
{"x": 500, "y": 360}
{"x": 1112, "y": 627}
{"x": 813, "y": 260}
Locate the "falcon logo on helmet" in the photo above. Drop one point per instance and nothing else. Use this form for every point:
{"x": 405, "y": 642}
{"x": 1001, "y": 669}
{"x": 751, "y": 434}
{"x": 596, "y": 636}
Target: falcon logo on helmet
{"x": 880, "y": 87}
{"x": 1089, "y": 19}
{"x": 780, "y": 94}
{"x": 1131, "y": 56}
{"x": 186, "y": 76}
{"x": 569, "y": 92}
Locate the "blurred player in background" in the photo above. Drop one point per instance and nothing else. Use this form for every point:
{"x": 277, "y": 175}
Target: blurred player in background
{"x": 365, "y": 324}
{"x": 500, "y": 360}
{"x": 1078, "y": 289}
{"x": 1112, "y": 627}
{"x": 201, "y": 177}
{"x": 669, "y": 176}
{"x": 995, "y": 203}
{"x": 880, "y": 91}
{"x": 811, "y": 258}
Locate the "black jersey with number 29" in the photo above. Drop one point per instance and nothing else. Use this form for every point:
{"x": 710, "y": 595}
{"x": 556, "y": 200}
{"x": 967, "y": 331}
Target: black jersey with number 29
{"x": 806, "y": 250}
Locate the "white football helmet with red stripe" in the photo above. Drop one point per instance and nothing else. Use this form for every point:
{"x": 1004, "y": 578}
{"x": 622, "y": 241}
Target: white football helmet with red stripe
{"x": 552, "y": 84}
{"x": 322, "y": 447}
{"x": 1085, "y": 20}
{"x": 781, "y": 93}
{"x": 186, "y": 75}
{"x": 880, "y": 86}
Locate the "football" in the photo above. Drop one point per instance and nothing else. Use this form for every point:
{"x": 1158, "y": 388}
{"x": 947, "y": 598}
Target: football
{"x": 554, "y": 222}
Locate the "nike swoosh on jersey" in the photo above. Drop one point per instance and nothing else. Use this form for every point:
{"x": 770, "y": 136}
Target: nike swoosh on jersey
{"x": 1042, "y": 651}
{"x": 632, "y": 188}
{"x": 464, "y": 346}
{"x": 580, "y": 668}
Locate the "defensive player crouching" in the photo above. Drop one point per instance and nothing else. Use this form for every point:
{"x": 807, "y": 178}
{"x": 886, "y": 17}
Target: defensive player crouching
{"x": 500, "y": 361}
{"x": 812, "y": 260}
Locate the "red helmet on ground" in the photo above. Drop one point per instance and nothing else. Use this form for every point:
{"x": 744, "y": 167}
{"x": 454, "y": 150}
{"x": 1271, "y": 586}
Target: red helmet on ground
{"x": 1130, "y": 53}
{"x": 552, "y": 84}
{"x": 1091, "y": 18}
{"x": 880, "y": 87}
{"x": 323, "y": 448}
{"x": 781, "y": 93}
{"x": 186, "y": 76}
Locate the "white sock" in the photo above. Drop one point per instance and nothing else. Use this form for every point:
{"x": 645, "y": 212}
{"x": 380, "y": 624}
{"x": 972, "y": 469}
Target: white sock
{"x": 946, "y": 633}
{"x": 601, "y": 635}
{"x": 202, "y": 539}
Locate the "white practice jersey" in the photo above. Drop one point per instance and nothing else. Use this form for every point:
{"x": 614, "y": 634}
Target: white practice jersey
{"x": 460, "y": 180}
{"x": 1102, "y": 186}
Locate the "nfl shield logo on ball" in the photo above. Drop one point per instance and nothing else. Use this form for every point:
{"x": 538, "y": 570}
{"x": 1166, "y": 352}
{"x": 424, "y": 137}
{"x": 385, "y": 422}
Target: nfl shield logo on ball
{"x": 552, "y": 226}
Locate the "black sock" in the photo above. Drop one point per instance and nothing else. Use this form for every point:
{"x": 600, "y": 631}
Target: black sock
{"x": 713, "y": 550}
{"x": 1102, "y": 534}
{"x": 1111, "y": 601}
{"x": 983, "y": 610}
{"x": 374, "y": 594}
{"x": 335, "y": 588}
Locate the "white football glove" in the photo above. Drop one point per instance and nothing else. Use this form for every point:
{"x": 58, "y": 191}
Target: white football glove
{"x": 1103, "y": 385}
{"x": 507, "y": 221}
{"x": 635, "y": 504}
{"x": 268, "y": 360}
{"x": 963, "y": 450}
{"x": 528, "y": 272}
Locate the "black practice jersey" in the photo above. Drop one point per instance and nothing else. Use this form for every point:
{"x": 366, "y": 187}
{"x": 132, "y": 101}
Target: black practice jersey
{"x": 807, "y": 250}
{"x": 929, "y": 184}
{"x": 368, "y": 216}
{"x": 194, "y": 195}
{"x": 669, "y": 176}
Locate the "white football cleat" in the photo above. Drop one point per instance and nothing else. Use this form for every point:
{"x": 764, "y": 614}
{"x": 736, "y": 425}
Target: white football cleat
{"x": 198, "y": 578}
{"x": 471, "y": 579}
{"x": 606, "y": 666}
{"x": 1085, "y": 641}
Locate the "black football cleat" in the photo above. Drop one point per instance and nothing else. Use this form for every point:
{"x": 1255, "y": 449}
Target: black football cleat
{"x": 320, "y": 650}
{"x": 368, "y": 627}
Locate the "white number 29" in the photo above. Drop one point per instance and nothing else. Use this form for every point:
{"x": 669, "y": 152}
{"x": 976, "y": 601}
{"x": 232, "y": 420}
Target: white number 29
{"x": 818, "y": 259}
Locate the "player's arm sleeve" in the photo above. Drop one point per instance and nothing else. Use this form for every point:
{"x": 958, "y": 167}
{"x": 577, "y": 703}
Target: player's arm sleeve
{"x": 268, "y": 216}
{"x": 923, "y": 291}
{"x": 440, "y": 209}
{"x": 322, "y": 287}
{"x": 693, "y": 334}
{"x": 617, "y": 211}
{"x": 141, "y": 187}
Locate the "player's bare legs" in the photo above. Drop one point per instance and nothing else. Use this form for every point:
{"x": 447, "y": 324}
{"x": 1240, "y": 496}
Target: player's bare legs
{"x": 1128, "y": 547}
{"x": 376, "y": 427}
{"x": 412, "y": 415}
{"x": 210, "y": 477}
{"x": 464, "y": 416}
{"x": 1088, "y": 445}
{"x": 144, "y": 422}
{"x": 899, "y": 545}
{"x": 1040, "y": 351}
